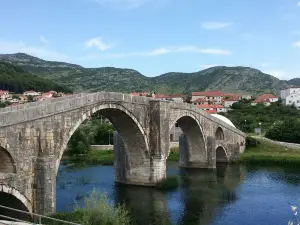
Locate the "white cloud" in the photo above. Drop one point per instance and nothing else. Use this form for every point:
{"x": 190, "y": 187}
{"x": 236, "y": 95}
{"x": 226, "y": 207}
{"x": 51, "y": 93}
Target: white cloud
{"x": 297, "y": 44}
{"x": 215, "y": 25}
{"x": 126, "y": 3}
{"x": 15, "y": 47}
{"x": 167, "y": 50}
{"x": 98, "y": 43}
{"x": 43, "y": 39}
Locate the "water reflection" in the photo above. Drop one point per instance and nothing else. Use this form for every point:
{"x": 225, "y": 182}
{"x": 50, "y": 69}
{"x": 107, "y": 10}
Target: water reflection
{"x": 206, "y": 190}
{"x": 147, "y": 205}
{"x": 231, "y": 194}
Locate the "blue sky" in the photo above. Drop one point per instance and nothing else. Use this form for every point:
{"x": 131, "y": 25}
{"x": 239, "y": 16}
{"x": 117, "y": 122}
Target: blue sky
{"x": 157, "y": 36}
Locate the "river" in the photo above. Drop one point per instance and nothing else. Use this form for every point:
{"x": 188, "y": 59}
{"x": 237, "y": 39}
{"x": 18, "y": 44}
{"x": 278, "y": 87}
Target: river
{"x": 230, "y": 195}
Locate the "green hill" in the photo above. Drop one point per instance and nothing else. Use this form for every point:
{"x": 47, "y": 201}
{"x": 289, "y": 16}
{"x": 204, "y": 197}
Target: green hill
{"x": 15, "y": 79}
{"x": 229, "y": 79}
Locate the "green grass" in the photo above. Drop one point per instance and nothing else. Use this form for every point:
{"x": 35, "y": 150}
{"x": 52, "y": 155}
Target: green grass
{"x": 268, "y": 153}
{"x": 174, "y": 154}
{"x": 94, "y": 157}
{"x": 96, "y": 211}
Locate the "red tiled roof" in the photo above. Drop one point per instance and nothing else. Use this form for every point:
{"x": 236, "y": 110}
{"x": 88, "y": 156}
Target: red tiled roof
{"x": 162, "y": 96}
{"x": 217, "y": 106}
{"x": 3, "y": 91}
{"x": 139, "y": 93}
{"x": 204, "y": 106}
{"x": 263, "y": 97}
{"x": 176, "y": 95}
{"x": 200, "y": 100}
{"x": 233, "y": 98}
{"x": 208, "y": 93}
{"x": 211, "y": 111}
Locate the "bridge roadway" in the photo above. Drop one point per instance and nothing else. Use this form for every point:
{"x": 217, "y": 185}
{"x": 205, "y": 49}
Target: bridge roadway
{"x": 34, "y": 136}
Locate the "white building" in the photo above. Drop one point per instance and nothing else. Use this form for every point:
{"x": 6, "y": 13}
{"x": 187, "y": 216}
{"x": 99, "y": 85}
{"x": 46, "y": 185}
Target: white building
{"x": 31, "y": 93}
{"x": 290, "y": 96}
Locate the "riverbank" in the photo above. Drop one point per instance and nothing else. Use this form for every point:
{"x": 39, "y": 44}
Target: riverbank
{"x": 103, "y": 157}
{"x": 264, "y": 153}
{"x": 267, "y": 153}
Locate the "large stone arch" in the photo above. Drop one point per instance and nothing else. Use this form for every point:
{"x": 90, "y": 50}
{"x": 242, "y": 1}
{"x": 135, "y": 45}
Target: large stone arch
{"x": 7, "y": 163}
{"x": 125, "y": 123}
{"x": 26, "y": 205}
{"x": 219, "y": 134}
{"x": 221, "y": 154}
{"x": 193, "y": 149}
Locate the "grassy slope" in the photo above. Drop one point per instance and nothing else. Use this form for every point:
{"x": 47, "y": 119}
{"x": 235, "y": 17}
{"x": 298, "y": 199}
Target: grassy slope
{"x": 268, "y": 153}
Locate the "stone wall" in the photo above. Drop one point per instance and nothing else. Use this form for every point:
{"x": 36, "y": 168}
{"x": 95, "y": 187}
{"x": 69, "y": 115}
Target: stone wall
{"x": 284, "y": 144}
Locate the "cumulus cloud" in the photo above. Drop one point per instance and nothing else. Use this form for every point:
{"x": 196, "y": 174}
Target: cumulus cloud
{"x": 43, "y": 39}
{"x": 41, "y": 52}
{"x": 174, "y": 49}
{"x": 98, "y": 43}
{"x": 215, "y": 25}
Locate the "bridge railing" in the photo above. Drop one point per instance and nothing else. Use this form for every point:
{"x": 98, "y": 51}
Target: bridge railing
{"x": 39, "y": 219}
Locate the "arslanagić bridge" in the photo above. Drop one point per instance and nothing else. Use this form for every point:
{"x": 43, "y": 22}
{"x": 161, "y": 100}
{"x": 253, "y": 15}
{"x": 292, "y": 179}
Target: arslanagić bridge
{"x": 34, "y": 136}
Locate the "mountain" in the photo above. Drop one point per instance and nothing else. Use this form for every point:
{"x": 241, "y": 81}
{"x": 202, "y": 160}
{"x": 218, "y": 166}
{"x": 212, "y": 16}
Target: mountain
{"x": 15, "y": 79}
{"x": 243, "y": 80}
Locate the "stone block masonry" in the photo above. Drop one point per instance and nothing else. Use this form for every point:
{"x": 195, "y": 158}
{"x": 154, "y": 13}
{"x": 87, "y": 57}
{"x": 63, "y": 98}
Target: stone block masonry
{"x": 34, "y": 136}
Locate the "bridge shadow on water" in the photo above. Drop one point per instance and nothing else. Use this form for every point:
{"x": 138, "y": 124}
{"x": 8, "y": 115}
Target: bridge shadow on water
{"x": 196, "y": 201}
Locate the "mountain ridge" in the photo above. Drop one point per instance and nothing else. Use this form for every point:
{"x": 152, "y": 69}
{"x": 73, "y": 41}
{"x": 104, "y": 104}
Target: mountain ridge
{"x": 230, "y": 79}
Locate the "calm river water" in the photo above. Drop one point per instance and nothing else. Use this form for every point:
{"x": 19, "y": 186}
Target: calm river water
{"x": 231, "y": 195}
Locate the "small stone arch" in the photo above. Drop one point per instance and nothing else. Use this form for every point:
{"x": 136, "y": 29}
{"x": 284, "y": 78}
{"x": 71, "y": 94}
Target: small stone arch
{"x": 221, "y": 155}
{"x": 115, "y": 113}
{"x": 25, "y": 204}
{"x": 7, "y": 163}
{"x": 194, "y": 137}
{"x": 219, "y": 134}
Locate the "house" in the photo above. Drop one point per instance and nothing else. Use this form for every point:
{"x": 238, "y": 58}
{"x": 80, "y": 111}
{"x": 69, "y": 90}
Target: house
{"x": 31, "y": 93}
{"x": 293, "y": 99}
{"x": 139, "y": 94}
{"x": 23, "y": 99}
{"x": 14, "y": 100}
{"x": 212, "y": 108}
{"x": 60, "y": 94}
{"x": 230, "y": 101}
{"x": 173, "y": 97}
{"x": 290, "y": 96}
{"x": 47, "y": 95}
{"x": 247, "y": 97}
{"x": 209, "y": 96}
{"x": 5, "y": 96}
{"x": 39, "y": 98}
{"x": 267, "y": 99}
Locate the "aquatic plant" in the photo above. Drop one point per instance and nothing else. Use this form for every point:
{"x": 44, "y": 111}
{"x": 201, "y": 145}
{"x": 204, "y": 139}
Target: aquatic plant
{"x": 96, "y": 210}
{"x": 171, "y": 182}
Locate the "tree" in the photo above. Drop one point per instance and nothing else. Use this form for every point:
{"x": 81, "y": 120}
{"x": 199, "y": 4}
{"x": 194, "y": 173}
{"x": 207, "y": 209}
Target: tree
{"x": 287, "y": 130}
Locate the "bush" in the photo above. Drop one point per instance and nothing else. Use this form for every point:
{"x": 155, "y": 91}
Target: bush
{"x": 287, "y": 130}
{"x": 171, "y": 182}
{"x": 251, "y": 142}
{"x": 96, "y": 211}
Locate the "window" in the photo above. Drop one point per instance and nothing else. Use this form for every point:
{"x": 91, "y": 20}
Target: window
{"x": 298, "y": 101}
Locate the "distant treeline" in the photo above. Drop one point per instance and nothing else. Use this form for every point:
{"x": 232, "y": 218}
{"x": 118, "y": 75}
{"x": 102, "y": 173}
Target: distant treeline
{"x": 15, "y": 79}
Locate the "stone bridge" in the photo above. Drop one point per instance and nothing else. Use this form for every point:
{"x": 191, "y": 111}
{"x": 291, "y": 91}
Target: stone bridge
{"x": 34, "y": 136}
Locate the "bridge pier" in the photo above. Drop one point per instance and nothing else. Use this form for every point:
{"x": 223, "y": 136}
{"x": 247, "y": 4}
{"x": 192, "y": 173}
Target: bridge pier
{"x": 188, "y": 159}
{"x": 151, "y": 170}
{"x": 45, "y": 185}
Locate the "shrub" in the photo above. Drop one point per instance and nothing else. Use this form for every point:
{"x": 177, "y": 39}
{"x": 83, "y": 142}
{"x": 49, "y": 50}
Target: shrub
{"x": 251, "y": 142}
{"x": 171, "y": 182}
{"x": 287, "y": 130}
